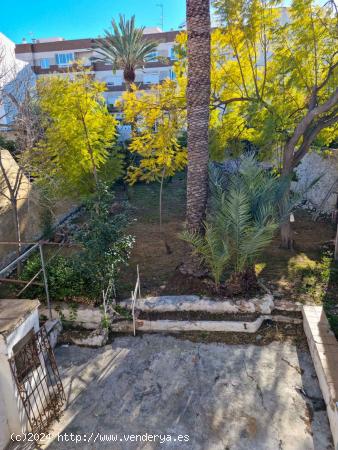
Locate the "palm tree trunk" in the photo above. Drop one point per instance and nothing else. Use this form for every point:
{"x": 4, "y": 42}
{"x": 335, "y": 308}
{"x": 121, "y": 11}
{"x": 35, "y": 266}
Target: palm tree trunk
{"x": 129, "y": 76}
{"x": 198, "y": 98}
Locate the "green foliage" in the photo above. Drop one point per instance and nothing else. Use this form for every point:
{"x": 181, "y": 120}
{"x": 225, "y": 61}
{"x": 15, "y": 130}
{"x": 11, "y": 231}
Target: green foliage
{"x": 63, "y": 278}
{"x": 7, "y": 144}
{"x": 105, "y": 322}
{"x": 126, "y": 48}
{"x": 79, "y": 133}
{"x": 264, "y": 71}
{"x": 212, "y": 249}
{"x": 315, "y": 277}
{"x": 242, "y": 221}
{"x": 158, "y": 116}
{"x": 123, "y": 312}
{"x": 105, "y": 247}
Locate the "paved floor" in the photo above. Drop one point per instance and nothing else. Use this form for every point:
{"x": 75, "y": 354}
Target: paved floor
{"x": 216, "y": 396}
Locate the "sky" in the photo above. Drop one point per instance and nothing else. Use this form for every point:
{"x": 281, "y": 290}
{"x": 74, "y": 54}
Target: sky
{"x": 72, "y": 19}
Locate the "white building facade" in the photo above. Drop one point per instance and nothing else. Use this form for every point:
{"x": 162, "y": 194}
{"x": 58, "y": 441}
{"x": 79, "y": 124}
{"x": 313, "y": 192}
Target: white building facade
{"x": 56, "y": 55}
{"x": 14, "y": 74}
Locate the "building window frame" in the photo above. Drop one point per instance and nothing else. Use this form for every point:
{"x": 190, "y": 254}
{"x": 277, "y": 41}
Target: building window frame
{"x": 173, "y": 55}
{"x": 172, "y": 74}
{"x": 64, "y": 59}
{"x": 44, "y": 63}
{"x": 152, "y": 56}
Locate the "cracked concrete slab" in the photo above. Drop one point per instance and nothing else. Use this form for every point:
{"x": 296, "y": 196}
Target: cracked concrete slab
{"x": 223, "y": 397}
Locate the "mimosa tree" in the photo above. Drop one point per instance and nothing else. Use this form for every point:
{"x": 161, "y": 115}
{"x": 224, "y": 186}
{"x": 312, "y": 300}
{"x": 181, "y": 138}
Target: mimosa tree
{"x": 273, "y": 79}
{"x": 78, "y": 141}
{"x": 158, "y": 118}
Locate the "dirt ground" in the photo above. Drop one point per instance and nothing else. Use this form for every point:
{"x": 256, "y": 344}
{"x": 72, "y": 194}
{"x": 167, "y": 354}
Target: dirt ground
{"x": 158, "y": 268}
{"x": 306, "y": 274}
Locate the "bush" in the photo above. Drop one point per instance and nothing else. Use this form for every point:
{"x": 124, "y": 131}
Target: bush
{"x": 64, "y": 281}
{"x": 244, "y": 216}
{"x": 105, "y": 248}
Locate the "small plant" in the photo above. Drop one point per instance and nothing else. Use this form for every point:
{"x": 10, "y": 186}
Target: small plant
{"x": 314, "y": 278}
{"x": 106, "y": 246}
{"x": 73, "y": 307}
{"x": 123, "y": 312}
{"x": 212, "y": 249}
{"x": 106, "y": 294}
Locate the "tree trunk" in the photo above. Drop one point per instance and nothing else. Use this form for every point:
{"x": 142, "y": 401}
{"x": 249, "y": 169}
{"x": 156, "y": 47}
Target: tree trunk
{"x": 286, "y": 235}
{"x": 17, "y": 230}
{"x": 198, "y": 97}
{"x": 286, "y": 232}
{"x": 129, "y": 76}
{"x": 167, "y": 247}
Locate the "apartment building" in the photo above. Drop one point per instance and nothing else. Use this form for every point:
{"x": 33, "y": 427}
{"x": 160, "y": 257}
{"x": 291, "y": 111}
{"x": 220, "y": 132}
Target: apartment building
{"x": 15, "y": 75}
{"x": 56, "y": 55}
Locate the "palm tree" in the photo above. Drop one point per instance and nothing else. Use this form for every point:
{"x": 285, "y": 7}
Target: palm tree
{"x": 126, "y": 48}
{"x": 245, "y": 213}
{"x": 198, "y": 96}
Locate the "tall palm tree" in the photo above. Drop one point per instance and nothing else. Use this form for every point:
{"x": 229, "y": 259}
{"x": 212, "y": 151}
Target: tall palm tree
{"x": 198, "y": 96}
{"x": 126, "y": 48}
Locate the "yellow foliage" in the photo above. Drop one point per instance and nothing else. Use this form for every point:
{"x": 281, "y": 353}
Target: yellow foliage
{"x": 158, "y": 117}
{"x": 78, "y": 131}
{"x": 263, "y": 71}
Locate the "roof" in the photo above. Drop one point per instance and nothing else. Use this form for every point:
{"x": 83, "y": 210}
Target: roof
{"x": 74, "y": 44}
{"x": 13, "y": 313}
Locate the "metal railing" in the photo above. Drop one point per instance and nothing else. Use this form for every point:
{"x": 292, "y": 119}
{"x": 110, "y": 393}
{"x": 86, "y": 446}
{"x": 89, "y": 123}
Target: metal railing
{"x": 34, "y": 246}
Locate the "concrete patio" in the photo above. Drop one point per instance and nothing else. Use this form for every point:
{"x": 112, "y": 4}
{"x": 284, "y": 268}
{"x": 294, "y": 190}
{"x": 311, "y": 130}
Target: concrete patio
{"x": 223, "y": 397}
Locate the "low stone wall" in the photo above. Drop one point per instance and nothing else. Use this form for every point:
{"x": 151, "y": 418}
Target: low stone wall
{"x": 263, "y": 304}
{"x": 53, "y": 328}
{"x": 83, "y": 316}
{"x": 90, "y": 318}
{"x": 177, "y": 326}
{"x": 324, "y": 352}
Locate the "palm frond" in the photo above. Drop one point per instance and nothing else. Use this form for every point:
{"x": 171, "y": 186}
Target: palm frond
{"x": 211, "y": 248}
{"x": 125, "y": 47}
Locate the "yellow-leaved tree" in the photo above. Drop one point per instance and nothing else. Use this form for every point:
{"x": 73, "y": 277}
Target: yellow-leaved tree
{"x": 158, "y": 118}
{"x": 273, "y": 80}
{"x": 77, "y": 149}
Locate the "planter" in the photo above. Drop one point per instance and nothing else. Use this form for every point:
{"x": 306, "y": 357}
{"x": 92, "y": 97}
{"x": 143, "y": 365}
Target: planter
{"x": 160, "y": 325}
{"x": 178, "y": 313}
{"x": 262, "y": 304}
{"x": 83, "y": 316}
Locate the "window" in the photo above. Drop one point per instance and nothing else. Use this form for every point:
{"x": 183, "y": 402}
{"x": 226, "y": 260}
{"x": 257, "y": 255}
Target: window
{"x": 64, "y": 59}
{"x": 173, "y": 53}
{"x": 172, "y": 74}
{"x": 152, "y": 56}
{"x": 44, "y": 63}
{"x": 151, "y": 78}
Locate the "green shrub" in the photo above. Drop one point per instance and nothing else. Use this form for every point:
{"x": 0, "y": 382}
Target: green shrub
{"x": 63, "y": 278}
{"x": 105, "y": 247}
{"x": 245, "y": 213}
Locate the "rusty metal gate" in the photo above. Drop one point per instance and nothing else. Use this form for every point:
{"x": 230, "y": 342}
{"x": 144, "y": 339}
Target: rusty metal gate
{"x": 38, "y": 381}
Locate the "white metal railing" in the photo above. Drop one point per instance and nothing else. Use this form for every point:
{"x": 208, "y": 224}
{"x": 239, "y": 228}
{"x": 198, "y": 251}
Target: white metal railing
{"x": 134, "y": 293}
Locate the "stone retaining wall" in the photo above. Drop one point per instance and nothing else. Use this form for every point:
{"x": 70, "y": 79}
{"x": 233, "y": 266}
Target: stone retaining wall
{"x": 324, "y": 351}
